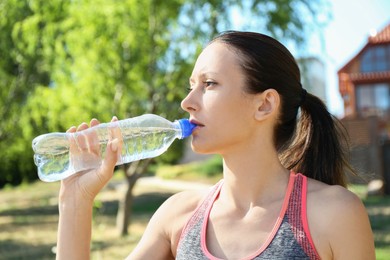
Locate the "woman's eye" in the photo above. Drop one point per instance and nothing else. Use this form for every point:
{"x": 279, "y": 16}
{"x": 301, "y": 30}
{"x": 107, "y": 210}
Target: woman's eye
{"x": 205, "y": 85}
{"x": 210, "y": 83}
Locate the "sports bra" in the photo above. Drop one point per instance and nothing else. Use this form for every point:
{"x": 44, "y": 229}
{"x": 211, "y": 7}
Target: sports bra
{"x": 290, "y": 237}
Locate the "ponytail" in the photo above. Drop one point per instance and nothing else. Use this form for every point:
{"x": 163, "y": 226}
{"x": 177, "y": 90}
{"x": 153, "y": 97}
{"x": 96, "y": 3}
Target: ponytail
{"x": 318, "y": 148}
{"x": 314, "y": 143}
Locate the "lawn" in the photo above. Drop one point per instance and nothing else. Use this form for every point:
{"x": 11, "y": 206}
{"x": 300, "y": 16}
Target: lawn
{"x": 379, "y": 212}
{"x": 29, "y": 215}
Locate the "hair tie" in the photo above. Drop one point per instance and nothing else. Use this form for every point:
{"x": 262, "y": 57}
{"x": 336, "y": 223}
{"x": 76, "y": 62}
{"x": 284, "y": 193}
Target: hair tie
{"x": 303, "y": 96}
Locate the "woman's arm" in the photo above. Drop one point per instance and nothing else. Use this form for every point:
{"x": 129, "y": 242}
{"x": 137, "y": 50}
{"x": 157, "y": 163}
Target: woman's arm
{"x": 74, "y": 230}
{"x": 351, "y": 235}
{"x": 76, "y": 201}
{"x": 157, "y": 238}
{"x": 339, "y": 224}
{"x": 161, "y": 237}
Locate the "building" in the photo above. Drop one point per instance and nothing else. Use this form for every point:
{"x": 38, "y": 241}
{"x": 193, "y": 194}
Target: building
{"x": 364, "y": 84}
{"x": 313, "y": 76}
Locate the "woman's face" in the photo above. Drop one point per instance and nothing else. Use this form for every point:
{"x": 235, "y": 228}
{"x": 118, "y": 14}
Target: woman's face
{"x": 217, "y": 102}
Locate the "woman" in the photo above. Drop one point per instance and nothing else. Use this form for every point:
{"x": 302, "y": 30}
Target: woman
{"x": 244, "y": 97}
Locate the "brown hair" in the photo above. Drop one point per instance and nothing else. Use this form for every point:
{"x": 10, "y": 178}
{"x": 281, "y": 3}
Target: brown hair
{"x": 312, "y": 143}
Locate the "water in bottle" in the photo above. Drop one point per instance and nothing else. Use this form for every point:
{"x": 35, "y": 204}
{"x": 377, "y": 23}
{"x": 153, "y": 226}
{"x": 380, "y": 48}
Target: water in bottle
{"x": 59, "y": 155}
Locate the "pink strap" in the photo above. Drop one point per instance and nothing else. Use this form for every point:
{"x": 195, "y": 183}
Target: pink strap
{"x": 305, "y": 223}
{"x": 270, "y": 236}
{"x": 199, "y": 211}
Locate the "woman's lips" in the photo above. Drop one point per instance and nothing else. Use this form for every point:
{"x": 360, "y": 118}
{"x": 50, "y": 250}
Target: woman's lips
{"x": 197, "y": 123}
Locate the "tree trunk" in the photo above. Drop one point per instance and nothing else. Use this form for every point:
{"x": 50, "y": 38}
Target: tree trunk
{"x": 133, "y": 172}
{"x": 125, "y": 210}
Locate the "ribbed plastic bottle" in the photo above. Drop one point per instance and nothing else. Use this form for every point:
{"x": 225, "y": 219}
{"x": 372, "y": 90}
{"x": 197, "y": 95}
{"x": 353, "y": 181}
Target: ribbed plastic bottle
{"x": 59, "y": 155}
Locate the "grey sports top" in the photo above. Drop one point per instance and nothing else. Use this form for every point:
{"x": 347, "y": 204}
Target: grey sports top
{"x": 289, "y": 239}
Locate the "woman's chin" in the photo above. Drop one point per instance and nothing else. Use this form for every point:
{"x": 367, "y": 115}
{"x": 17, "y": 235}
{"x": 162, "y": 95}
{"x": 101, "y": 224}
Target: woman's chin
{"x": 200, "y": 149}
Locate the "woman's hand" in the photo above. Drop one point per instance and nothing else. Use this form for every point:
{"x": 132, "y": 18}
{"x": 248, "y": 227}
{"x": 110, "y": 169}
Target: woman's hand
{"x": 84, "y": 186}
{"x": 79, "y": 190}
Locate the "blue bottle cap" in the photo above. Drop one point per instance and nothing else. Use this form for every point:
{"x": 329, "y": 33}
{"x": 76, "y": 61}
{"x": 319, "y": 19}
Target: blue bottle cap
{"x": 186, "y": 127}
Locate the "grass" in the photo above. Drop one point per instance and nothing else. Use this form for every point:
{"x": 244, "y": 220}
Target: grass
{"x": 206, "y": 171}
{"x": 379, "y": 212}
{"x": 29, "y": 215}
{"x": 378, "y": 209}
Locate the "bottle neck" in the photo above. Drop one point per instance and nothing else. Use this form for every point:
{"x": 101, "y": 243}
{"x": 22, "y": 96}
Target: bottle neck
{"x": 178, "y": 127}
{"x": 186, "y": 127}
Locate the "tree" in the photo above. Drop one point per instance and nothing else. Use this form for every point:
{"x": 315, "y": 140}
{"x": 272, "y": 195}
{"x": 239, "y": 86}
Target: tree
{"x": 68, "y": 61}
{"x": 23, "y": 67}
{"x": 121, "y": 65}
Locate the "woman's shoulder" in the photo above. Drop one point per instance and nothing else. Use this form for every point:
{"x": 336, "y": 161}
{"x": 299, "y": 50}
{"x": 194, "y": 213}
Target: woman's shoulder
{"x": 178, "y": 208}
{"x": 332, "y": 195}
{"x": 176, "y": 211}
{"x": 185, "y": 201}
{"x": 337, "y": 216}
{"x": 333, "y": 201}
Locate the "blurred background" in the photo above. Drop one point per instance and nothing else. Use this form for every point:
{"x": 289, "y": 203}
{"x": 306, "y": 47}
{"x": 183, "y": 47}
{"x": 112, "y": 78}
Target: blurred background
{"x": 65, "y": 62}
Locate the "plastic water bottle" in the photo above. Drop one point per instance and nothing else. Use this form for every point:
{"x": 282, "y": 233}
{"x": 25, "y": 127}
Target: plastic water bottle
{"x": 59, "y": 155}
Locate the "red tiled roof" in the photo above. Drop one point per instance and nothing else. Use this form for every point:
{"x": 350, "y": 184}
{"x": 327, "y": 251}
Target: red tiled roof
{"x": 381, "y": 37}
{"x": 370, "y": 76}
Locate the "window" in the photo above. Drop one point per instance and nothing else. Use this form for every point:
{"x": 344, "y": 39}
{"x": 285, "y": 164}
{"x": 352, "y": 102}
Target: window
{"x": 376, "y": 58}
{"x": 373, "y": 99}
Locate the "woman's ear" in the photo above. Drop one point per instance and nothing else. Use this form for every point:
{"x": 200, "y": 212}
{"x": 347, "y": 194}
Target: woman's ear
{"x": 267, "y": 104}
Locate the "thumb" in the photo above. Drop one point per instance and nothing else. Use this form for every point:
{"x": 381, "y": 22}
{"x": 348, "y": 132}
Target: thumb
{"x": 111, "y": 156}
{"x": 105, "y": 172}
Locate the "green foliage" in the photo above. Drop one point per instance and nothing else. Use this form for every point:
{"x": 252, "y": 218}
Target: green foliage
{"x": 209, "y": 168}
{"x": 65, "y": 62}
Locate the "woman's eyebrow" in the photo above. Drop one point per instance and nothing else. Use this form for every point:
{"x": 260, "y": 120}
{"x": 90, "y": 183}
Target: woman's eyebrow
{"x": 204, "y": 75}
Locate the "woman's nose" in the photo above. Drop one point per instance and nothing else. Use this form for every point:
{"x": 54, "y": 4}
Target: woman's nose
{"x": 188, "y": 104}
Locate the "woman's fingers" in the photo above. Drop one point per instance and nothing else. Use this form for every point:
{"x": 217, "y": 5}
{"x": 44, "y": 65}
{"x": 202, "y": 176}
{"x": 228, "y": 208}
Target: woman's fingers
{"x": 72, "y": 129}
{"x": 92, "y": 137}
{"x": 110, "y": 160}
{"x": 114, "y": 118}
{"x": 113, "y": 151}
{"x": 116, "y": 133}
{"x": 80, "y": 138}
{"x": 85, "y": 147}
{"x": 88, "y": 141}
{"x": 94, "y": 122}
{"x": 72, "y": 142}
{"x": 82, "y": 126}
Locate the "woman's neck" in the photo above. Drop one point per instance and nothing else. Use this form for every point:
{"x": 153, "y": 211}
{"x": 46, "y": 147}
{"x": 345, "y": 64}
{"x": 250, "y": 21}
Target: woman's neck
{"x": 252, "y": 179}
